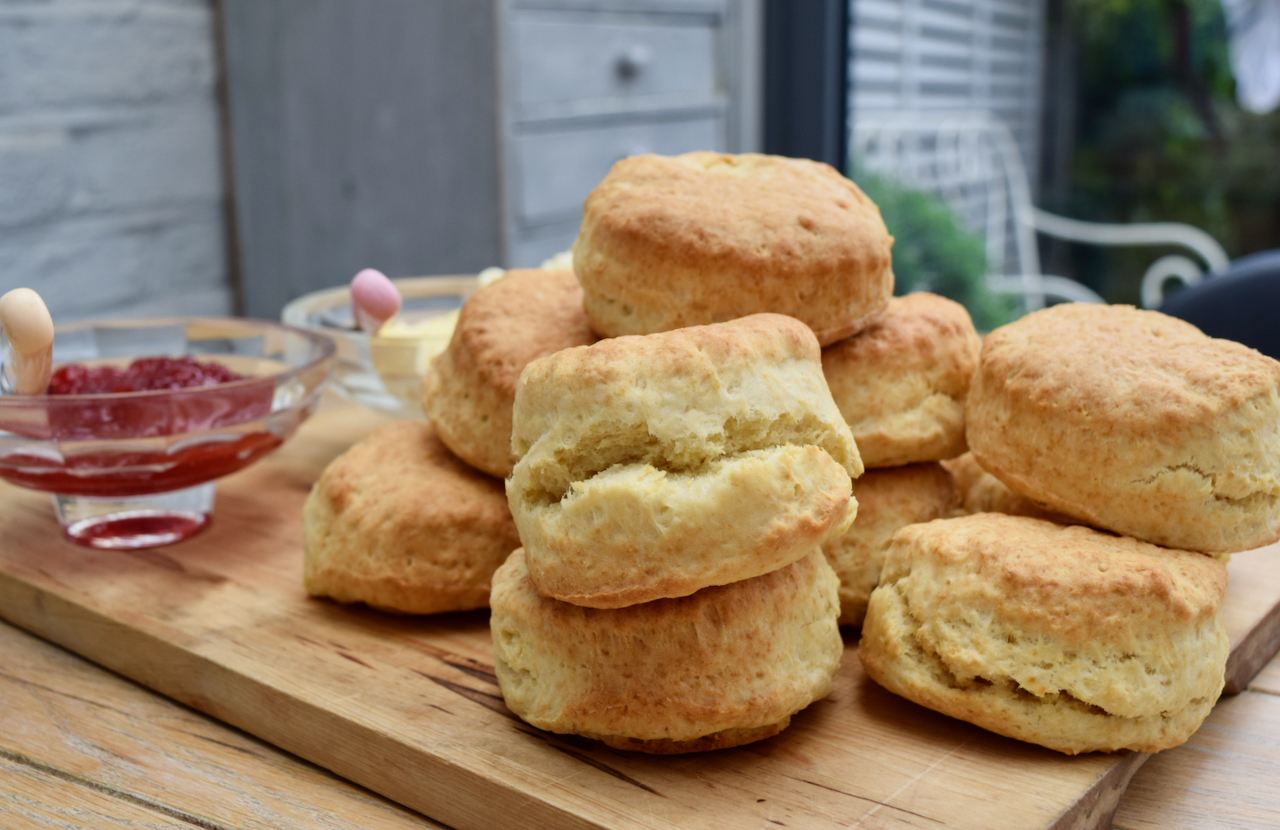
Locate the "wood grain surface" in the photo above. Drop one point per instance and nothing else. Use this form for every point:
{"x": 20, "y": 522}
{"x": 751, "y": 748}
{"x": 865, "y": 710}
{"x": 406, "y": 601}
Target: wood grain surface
{"x": 409, "y": 707}
{"x": 1267, "y": 680}
{"x": 75, "y": 724}
{"x": 81, "y": 747}
{"x": 1224, "y": 778}
{"x": 1251, "y": 614}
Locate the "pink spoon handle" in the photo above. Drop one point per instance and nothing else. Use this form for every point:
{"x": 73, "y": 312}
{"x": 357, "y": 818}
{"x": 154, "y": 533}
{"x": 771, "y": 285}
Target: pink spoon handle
{"x": 374, "y": 298}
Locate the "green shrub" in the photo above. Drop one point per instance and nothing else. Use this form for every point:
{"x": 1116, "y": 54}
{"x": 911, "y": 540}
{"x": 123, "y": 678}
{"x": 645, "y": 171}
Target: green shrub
{"x": 932, "y": 251}
{"x": 1155, "y": 135}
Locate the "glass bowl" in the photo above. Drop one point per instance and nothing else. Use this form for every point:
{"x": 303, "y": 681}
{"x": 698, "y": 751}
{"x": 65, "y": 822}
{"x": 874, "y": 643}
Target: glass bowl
{"x": 385, "y": 371}
{"x": 138, "y": 469}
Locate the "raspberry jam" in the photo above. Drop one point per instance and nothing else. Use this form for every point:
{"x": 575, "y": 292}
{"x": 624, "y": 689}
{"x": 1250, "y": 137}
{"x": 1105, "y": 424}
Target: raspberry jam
{"x": 162, "y": 424}
{"x": 115, "y": 472}
{"x": 146, "y": 374}
{"x": 188, "y": 407}
{"x": 140, "y": 529}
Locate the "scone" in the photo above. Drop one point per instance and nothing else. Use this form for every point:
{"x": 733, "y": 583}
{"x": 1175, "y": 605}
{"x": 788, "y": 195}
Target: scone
{"x": 723, "y": 667}
{"x": 705, "y": 237}
{"x": 888, "y": 499}
{"x": 397, "y": 522}
{"x": 470, "y": 387}
{"x": 981, "y": 492}
{"x": 1065, "y": 637}
{"x": 901, "y": 383}
{"x": 1135, "y": 422}
{"x": 654, "y": 466}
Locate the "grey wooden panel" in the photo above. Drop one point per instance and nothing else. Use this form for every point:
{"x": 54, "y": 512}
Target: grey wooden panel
{"x": 555, "y": 170}
{"x": 562, "y": 58}
{"x": 364, "y": 134}
{"x": 532, "y": 249}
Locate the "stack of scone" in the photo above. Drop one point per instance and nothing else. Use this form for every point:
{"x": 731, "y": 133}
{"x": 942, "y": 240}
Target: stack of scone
{"x": 704, "y": 237}
{"x": 694, "y": 240}
{"x": 414, "y": 518}
{"x": 671, "y": 495}
{"x": 681, "y": 425}
{"x": 1153, "y": 451}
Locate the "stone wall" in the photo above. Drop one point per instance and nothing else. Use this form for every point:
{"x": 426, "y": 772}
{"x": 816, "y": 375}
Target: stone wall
{"x": 111, "y": 189}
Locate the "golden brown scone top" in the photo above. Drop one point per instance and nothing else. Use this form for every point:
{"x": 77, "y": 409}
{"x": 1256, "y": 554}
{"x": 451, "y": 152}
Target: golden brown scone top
{"x": 470, "y": 388}
{"x": 661, "y": 198}
{"x": 1156, "y": 373}
{"x": 698, "y": 350}
{"x": 918, "y": 331}
{"x": 390, "y": 463}
{"x": 706, "y": 237}
{"x": 1072, "y": 579}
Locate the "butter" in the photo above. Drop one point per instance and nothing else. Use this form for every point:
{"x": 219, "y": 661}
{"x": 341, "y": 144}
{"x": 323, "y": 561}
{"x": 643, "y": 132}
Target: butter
{"x": 432, "y": 333}
{"x": 429, "y": 328}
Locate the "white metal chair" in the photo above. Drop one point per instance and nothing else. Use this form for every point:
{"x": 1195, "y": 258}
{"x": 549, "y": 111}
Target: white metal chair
{"x": 971, "y": 161}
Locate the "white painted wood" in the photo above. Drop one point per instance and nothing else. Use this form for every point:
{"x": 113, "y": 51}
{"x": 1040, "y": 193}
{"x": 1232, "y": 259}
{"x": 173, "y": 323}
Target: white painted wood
{"x": 588, "y": 82}
{"x": 556, "y": 169}
{"x": 980, "y": 55}
{"x": 562, "y": 58}
{"x": 110, "y": 185}
{"x": 437, "y": 136}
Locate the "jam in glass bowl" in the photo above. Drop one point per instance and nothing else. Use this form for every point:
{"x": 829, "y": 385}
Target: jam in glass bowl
{"x": 134, "y": 469}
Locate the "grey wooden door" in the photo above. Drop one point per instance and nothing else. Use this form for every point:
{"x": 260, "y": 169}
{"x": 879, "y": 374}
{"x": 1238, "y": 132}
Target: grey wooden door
{"x": 364, "y": 134}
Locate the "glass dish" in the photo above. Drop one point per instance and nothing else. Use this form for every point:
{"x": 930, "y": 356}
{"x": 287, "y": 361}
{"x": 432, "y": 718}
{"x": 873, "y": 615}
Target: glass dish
{"x": 138, "y": 469}
{"x": 385, "y": 371}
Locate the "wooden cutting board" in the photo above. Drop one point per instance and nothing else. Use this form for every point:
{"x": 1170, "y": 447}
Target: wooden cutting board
{"x": 409, "y": 706}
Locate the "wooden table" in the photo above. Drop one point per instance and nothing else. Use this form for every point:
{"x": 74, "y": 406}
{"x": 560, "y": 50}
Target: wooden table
{"x": 81, "y": 747}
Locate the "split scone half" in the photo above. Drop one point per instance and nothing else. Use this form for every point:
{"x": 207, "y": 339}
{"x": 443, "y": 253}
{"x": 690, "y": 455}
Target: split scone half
{"x": 653, "y": 466}
{"x": 398, "y": 523}
{"x": 1062, "y": 636}
{"x": 1132, "y": 421}
{"x": 723, "y": 667}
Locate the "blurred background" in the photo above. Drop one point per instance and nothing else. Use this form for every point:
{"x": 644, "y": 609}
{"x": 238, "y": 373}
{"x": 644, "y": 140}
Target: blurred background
{"x": 225, "y": 156}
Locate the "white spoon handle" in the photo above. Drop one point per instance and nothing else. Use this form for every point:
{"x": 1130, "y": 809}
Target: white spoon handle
{"x": 27, "y": 327}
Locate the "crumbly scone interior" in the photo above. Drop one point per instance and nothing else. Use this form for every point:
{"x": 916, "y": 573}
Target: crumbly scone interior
{"x": 550, "y": 474}
{"x": 684, "y": 441}
{"x": 632, "y": 502}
